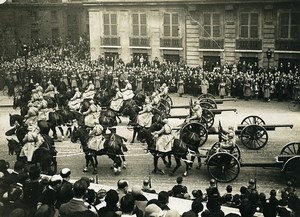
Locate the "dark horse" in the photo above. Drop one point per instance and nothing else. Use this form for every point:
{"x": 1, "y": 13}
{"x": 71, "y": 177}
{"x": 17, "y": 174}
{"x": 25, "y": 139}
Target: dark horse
{"x": 113, "y": 148}
{"x": 45, "y": 155}
{"x": 179, "y": 150}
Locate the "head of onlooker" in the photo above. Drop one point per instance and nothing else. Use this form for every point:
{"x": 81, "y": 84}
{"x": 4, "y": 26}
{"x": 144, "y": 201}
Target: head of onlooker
{"x": 127, "y": 204}
{"x": 163, "y": 198}
{"x": 122, "y": 185}
{"x": 4, "y": 165}
{"x": 152, "y": 210}
{"x": 55, "y": 182}
{"x": 65, "y": 173}
{"x": 80, "y": 188}
{"x": 111, "y": 198}
{"x": 34, "y": 173}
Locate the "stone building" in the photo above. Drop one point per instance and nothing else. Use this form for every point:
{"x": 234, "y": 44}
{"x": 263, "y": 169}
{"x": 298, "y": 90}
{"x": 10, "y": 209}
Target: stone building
{"x": 197, "y": 32}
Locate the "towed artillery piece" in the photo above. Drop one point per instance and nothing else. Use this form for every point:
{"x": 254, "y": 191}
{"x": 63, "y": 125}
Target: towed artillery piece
{"x": 225, "y": 166}
{"x": 252, "y": 131}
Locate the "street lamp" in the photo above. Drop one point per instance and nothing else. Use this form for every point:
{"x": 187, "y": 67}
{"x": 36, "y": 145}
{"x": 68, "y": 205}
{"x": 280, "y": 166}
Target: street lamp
{"x": 269, "y": 56}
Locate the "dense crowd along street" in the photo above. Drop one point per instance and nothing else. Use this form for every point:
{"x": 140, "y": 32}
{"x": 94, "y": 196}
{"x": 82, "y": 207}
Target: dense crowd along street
{"x": 96, "y": 103}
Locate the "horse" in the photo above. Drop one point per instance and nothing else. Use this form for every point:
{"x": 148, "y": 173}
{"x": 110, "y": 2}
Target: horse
{"x": 113, "y": 148}
{"x": 179, "y": 151}
{"x": 44, "y": 156}
{"x": 21, "y": 99}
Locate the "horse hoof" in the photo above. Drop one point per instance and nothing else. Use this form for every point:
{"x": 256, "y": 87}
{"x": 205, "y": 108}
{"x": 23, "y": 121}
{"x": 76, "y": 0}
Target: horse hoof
{"x": 185, "y": 174}
{"x": 85, "y": 169}
{"x": 95, "y": 172}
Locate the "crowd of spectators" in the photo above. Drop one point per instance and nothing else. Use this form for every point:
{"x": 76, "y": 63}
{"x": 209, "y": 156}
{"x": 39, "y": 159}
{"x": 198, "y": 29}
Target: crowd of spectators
{"x": 42, "y": 62}
{"x": 24, "y": 192}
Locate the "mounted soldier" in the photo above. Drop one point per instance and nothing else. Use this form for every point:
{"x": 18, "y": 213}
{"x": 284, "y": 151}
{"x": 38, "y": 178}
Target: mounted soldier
{"x": 117, "y": 100}
{"x": 32, "y": 114}
{"x": 91, "y": 115}
{"x": 50, "y": 90}
{"x": 74, "y": 103}
{"x": 39, "y": 89}
{"x": 89, "y": 92}
{"x": 43, "y": 109}
{"x": 97, "y": 140}
{"x": 144, "y": 117}
{"x": 127, "y": 91}
{"x": 196, "y": 112}
{"x": 164, "y": 137}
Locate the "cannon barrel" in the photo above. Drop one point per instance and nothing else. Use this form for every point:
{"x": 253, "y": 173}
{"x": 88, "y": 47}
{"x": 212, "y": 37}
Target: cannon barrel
{"x": 180, "y": 106}
{"x": 219, "y": 111}
{"x": 268, "y": 127}
{"x": 220, "y": 101}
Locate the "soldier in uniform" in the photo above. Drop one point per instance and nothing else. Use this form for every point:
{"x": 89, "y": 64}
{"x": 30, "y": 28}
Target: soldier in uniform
{"x": 127, "y": 91}
{"x": 164, "y": 137}
{"x": 34, "y": 96}
{"x": 43, "y": 109}
{"x": 85, "y": 78}
{"x": 97, "y": 141}
{"x": 50, "y": 90}
{"x": 89, "y": 92}
{"x": 117, "y": 100}
{"x": 39, "y": 89}
{"x": 144, "y": 117}
{"x": 31, "y": 116}
{"x": 74, "y": 102}
{"x": 91, "y": 115}
{"x": 32, "y": 142}
{"x": 196, "y": 112}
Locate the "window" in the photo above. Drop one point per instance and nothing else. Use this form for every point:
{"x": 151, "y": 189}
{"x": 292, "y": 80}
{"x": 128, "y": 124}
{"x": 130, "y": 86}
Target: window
{"x": 54, "y": 16}
{"x": 289, "y": 25}
{"x": 110, "y": 24}
{"x": 171, "y": 25}
{"x": 139, "y": 25}
{"x": 249, "y": 25}
{"x": 211, "y": 25}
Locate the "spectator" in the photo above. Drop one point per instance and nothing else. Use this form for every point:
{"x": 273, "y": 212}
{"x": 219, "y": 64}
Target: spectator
{"x": 140, "y": 200}
{"x": 122, "y": 188}
{"x": 197, "y": 207}
{"x": 153, "y": 210}
{"x": 146, "y": 187}
{"x": 65, "y": 193}
{"x": 227, "y": 198}
{"x": 213, "y": 210}
{"x": 13, "y": 201}
{"x": 198, "y": 194}
{"x": 163, "y": 198}
{"x": 179, "y": 190}
{"x": 111, "y": 200}
{"x": 76, "y": 204}
{"x": 213, "y": 192}
{"x": 127, "y": 205}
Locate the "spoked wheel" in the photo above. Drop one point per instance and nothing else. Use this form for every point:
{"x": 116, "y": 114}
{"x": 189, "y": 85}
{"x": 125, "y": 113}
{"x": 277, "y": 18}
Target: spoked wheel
{"x": 206, "y": 96}
{"x": 169, "y": 99}
{"x": 210, "y": 101}
{"x": 291, "y": 170}
{"x": 254, "y": 137}
{"x": 292, "y": 148}
{"x": 223, "y": 167}
{"x": 209, "y": 117}
{"x": 166, "y": 104}
{"x": 207, "y": 105}
{"x": 294, "y": 105}
{"x": 194, "y": 134}
{"x": 236, "y": 152}
{"x": 253, "y": 119}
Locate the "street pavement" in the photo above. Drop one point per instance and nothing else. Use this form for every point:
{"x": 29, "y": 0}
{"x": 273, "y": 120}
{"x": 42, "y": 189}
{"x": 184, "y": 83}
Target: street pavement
{"x": 140, "y": 163}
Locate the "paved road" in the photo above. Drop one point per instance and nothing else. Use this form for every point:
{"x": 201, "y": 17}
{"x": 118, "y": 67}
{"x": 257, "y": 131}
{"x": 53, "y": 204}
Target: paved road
{"x": 139, "y": 163}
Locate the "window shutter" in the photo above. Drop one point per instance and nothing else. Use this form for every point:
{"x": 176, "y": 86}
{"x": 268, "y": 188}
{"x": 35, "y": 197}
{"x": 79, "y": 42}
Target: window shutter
{"x": 167, "y": 27}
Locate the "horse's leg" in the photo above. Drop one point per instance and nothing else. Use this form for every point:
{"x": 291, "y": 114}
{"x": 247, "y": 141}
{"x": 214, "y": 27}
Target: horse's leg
{"x": 169, "y": 161}
{"x": 187, "y": 165}
{"x": 94, "y": 163}
{"x": 156, "y": 168}
{"x": 53, "y": 128}
{"x": 199, "y": 163}
{"x": 192, "y": 160}
{"x": 178, "y": 164}
{"x": 134, "y": 134}
{"x": 61, "y": 131}
{"x": 87, "y": 160}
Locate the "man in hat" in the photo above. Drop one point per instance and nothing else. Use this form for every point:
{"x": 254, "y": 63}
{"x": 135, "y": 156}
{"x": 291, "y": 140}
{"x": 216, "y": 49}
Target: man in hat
{"x": 164, "y": 140}
{"x": 74, "y": 103}
{"x": 50, "y": 90}
{"x": 50, "y": 194}
{"x": 91, "y": 115}
{"x": 65, "y": 193}
{"x": 127, "y": 91}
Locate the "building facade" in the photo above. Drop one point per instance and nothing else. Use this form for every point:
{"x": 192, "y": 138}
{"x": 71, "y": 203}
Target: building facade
{"x": 196, "y": 32}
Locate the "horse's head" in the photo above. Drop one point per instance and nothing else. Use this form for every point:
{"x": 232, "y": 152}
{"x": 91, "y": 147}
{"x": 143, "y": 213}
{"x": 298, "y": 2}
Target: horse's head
{"x": 140, "y": 98}
{"x": 84, "y": 105}
{"x": 11, "y": 132}
{"x": 192, "y": 139}
{"x": 145, "y": 135}
{"x": 16, "y": 101}
{"x": 80, "y": 133}
{"x": 13, "y": 147}
{"x": 107, "y": 121}
{"x": 15, "y": 118}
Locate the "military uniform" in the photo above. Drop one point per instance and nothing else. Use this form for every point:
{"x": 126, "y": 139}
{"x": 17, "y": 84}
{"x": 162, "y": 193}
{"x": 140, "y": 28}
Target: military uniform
{"x": 32, "y": 143}
{"x": 92, "y": 115}
{"x": 165, "y": 139}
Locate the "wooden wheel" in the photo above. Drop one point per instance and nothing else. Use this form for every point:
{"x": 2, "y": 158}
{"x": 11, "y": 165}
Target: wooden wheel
{"x": 236, "y": 152}
{"x": 194, "y": 134}
{"x": 223, "y": 167}
{"x": 167, "y": 105}
{"x": 210, "y": 101}
{"x": 292, "y": 148}
{"x": 291, "y": 170}
{"x": 164, "y": 107}
{"x": 168, "y": 99}
{"x": 254, "y": 137}
{"x": 206, "y": 95}
{"x": 209, "y": 117}
{"x": 206, "y": 105}
{"x": 253, "y": 119}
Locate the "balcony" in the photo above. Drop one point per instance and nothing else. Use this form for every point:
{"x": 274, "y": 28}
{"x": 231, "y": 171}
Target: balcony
{"x": 287, "y": 45}
{"x": 211, "y": 43}
{"x": 171, "y": 42}
{"x": 139, "y": 42}
{"x": 248, "y": 44}
{"x": 110, "y": 41}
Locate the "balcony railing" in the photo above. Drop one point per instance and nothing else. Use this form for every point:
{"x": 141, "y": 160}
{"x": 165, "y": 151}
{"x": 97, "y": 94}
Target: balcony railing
{"x": 139, "y": 42}
{"x": 211, "y": 44}
{"x": 171, "y": 42}
{"x": 287, "y": 45}
{"x": 110, "y": 41}
{"x": 248, "y": 44}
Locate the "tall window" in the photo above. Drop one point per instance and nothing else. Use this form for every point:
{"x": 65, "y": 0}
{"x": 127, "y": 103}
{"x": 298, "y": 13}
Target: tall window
{"x": 249, "y": 25}
{"x": 110, "y": 24}
{"x": 212, "y": 25}
{"x": 171, "y": 25}
{"x": 289, "y": 25}
{"x": 139, "y": 24}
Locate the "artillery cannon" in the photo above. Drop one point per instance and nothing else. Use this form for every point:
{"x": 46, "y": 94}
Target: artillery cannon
{"x": 225, "y": 166}
{"x": 252, "y": 131}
